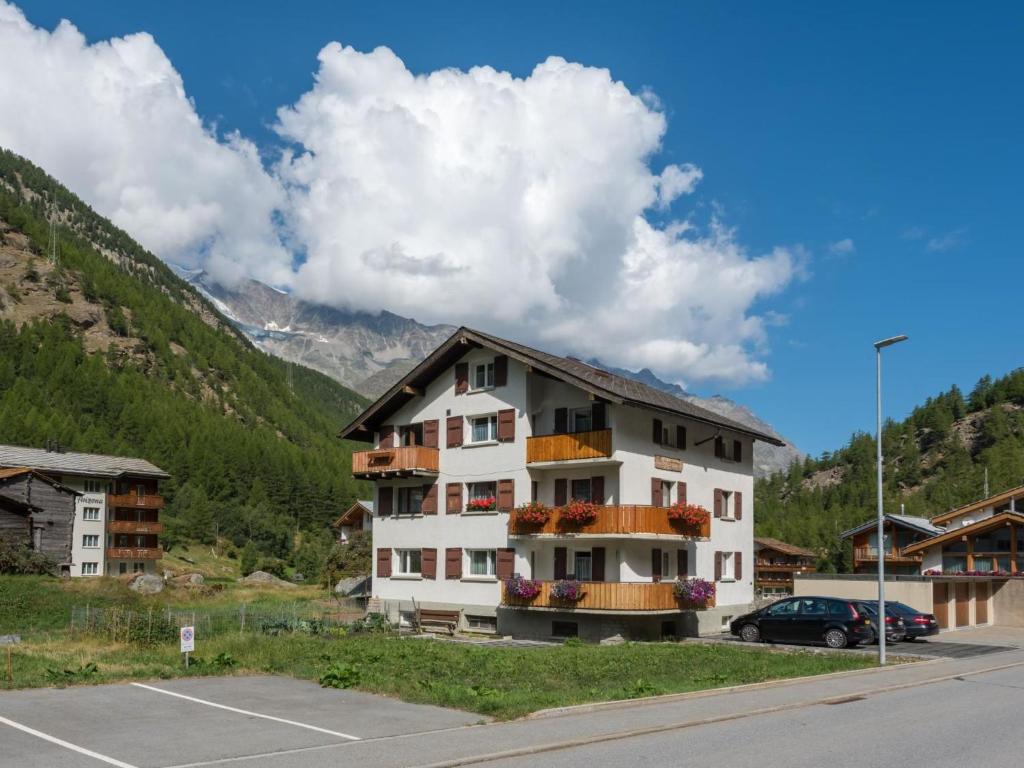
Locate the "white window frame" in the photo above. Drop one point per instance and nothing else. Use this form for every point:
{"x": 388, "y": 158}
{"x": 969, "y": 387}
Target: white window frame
{"x": 94, "y": 486}
{"x": 666, "y": 493}
{"x": 728, "y": 567}
{"x": 87, "y": 537}
{"x": 490, "y": 565}
{"x": 492, "y": 429}
{"x": 91, "y": 514}
{"x": 90, "y": 569}
{"x": 728, "y": 512}
{"x": 487, "y": 371}
{"x": 404, "y": 559}
{"x": 482, "y": 489}
{"x": 666, "y": 565}
{"x": 588, "y": 555}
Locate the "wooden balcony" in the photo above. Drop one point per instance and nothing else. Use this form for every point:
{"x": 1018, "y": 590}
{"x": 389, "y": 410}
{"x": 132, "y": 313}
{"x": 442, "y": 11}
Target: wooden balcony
{"x": 870, "y": 555}
{"x": 612, "y": 520}
{"x": 607, "y": 596}
{"x": 784, "y": 568}
{"x": 135, "y": 501}
{"x": 574, "y": 446}
{"x": 408, "y": 460}
{"x": 134, "y": 526}
{"x": 134, "y": 553}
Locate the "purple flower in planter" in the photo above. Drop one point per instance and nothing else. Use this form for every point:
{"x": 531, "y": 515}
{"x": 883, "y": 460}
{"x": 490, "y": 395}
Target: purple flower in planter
{"x": 521, "y": 588}
{"x": 696, "y": 591}
{"x": 566, "y": 589}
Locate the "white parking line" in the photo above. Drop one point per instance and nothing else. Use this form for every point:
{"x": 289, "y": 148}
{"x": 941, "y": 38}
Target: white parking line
{"x": 65, "y": 744}
{"x": 247, "y": 712}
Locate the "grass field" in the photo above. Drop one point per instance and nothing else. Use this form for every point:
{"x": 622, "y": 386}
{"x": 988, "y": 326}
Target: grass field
{"x": 502, "y": 682}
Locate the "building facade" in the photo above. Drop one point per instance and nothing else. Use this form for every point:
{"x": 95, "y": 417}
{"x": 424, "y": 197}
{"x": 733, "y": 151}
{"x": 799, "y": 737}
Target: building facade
{"x": 358, "y": 517}
{"x": 117, "y": 524}
{"x": 38, "y": 512}
{"x": 775, "y": 563}
{"x": 485, "y": 427}
{"x": 898, "y": 533}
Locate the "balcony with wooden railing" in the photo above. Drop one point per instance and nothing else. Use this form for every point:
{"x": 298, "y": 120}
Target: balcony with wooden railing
{"x": 134, "y": 553}
{"x": 612, "y": 520}
{"x": 135, "y": 526}
{"x": 572, "y": 446}
{"x": 607, "y": 596}
{"x": 407, "y": 460}
{"x": 870, "y": 555}
{"x": 135, "y": 500}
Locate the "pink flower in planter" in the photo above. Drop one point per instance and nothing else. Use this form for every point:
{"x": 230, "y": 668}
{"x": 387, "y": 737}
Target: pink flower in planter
{"x": 523, "y": 589}
{"x": 696, "y": 591}
{"x": 566, "y": 589}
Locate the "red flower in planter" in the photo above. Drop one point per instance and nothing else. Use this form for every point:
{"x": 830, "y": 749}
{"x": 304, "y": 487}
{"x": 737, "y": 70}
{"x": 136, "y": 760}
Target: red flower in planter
{"x": 692, "y": 515}
{"x": 482, "y": 505}
{"x": 579, "y": 512}
{"x": 534, "y": 513}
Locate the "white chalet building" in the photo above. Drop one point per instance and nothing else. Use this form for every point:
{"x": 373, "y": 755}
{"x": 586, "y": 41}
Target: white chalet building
{"x": 484, "y": 418}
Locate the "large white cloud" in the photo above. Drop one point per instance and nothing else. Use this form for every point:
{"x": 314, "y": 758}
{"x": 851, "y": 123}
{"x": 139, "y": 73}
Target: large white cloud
{"x": 112, "y": 121}
{"x": 525, "y": 206}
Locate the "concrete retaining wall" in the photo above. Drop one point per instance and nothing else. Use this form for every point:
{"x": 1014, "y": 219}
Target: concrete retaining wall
{"x": 915, "y": 592}
{"x": 1008, "y": 603}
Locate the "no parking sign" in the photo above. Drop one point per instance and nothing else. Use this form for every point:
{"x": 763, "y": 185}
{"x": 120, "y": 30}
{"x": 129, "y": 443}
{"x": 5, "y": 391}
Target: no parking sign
{"x": 188, "y": 639}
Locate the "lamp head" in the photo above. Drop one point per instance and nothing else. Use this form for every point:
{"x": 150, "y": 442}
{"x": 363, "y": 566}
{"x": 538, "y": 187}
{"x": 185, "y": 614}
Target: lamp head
{"x": 890, "y": 341}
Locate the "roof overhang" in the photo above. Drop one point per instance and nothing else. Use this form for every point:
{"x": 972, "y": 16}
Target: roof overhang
{"x": 996, "y": 521}
{"x": 974, "y": 506}
{"x": 871, "y": 524}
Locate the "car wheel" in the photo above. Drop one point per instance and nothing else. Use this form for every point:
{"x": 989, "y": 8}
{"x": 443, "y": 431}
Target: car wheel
{"x": 750, "y": 633}
{"x": 835, "y": 638}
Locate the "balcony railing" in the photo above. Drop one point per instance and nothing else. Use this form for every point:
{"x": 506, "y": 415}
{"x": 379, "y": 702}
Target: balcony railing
{"x": 134, "y": 526}
{"x": 785, "y": 567}
{"x": 621, "y": 519}
{"x": 573, "y": 446}
{"x": 134, "y": 553}
{"x": 607, "y": 596}
{"x": 134, "y": 500}
{"x": 406, "y": 460}
{"x": 870, "y": 554}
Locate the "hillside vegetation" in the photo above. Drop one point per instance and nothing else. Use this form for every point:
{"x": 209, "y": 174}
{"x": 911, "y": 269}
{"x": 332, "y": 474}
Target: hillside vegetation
{"x": 935, "y": 460}
{"x": 108, "y": 351}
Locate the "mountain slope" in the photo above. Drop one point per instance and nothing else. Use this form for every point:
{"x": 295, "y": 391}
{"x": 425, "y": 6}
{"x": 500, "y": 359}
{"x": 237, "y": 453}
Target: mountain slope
{"x": 768, "y": 459}
{"x": 366, "y": 352}
{"x": 935, "y": 460}
{"x": 106, "y": 350}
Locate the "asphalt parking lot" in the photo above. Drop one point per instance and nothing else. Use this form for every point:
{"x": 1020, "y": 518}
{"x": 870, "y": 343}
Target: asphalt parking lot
{"x": 197, "y": 721}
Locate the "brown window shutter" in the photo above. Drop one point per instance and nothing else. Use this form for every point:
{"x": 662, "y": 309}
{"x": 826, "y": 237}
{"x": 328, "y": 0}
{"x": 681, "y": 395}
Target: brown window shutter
{"x": 561, "y": 492}
{"x": 387, "y": 436}
{"x": 430, "y": 430}
{"x": 597, "y": 563}
{"x": 719, "y": 448}
{"x": 737, "y": 505}
{"x": 561, "y": 421}
{"x": 738, "y": 570}
{"x": 501, "y": 370}
{"x": 656, "y": 431}
{"x": 681, "y": 491}
{"x": 561, "y": 555}
{"x": 507, "y": 425}
{"x": 429, "y": 505}
{"x": 718, "y": 566}
{"x": 461, "y": 378}
{"x": 656, "y": 564}
{"x": 385, "y": 501}
{"x": 506, "y": 563}
{"x": 656, "y": 500}
{"x": 428, "y": 563}
{"x": 506, "y": 495}
{"x": 597, "y": 489}
{"x": 682, "y": 563}
{"x": 533, "y": 490}
{"x": 453, "y": 493}
{"x": 718, "y": 502}
{"x": 454, "y": 427}
{"x": 598, "y": 416}
{"x": 680, "y": 436}
{"x": 384, "y": 562}
{"x": 737, "y": 450}
{"x": 453, "y": 563}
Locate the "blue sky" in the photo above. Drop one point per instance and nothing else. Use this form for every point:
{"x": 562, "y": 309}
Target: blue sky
{"x": 896, "y": 127}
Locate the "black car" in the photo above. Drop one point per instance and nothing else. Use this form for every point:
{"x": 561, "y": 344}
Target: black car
{"x": 831, "y": 620}
{"x": 895, "y": 627}
{"x": 917, "y": 624}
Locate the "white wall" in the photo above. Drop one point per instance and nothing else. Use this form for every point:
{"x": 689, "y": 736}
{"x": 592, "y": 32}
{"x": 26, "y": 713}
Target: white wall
{"x": 81, "y": 527}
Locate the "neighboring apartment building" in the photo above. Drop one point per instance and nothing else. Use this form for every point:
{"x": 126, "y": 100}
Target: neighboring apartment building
{"x": 899, "y": 532}
{"x": 117, "y": 514}
{"x": 485, "y": 425}
{"x": 358, "y": 517}
{"x": 776, "y": 562}
{"x": 39, "y": 512}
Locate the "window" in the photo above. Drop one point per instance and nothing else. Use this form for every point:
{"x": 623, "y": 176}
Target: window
{"x": 727, "y": 566}
{"x": 813, "y": 606}
{"x": 839, "y": 608}
{"x": 728, "y": 511}
{"x": 666, "y": 493}
{"x": 91, "y": 513}
{"x": 483, "y": 375}
{"x": 122, "y": 568}
{"x": 94, "y": 486}
{"x": 583, "y": 566}
{"x": 138, "y": 567}
{"x": 481, "y": 562}
{"x": 411, "y": 434}
{"x": 90, "y": 569}
{"x": 485, "y": 429}
{"x": 409, "y": 562}
{"x": 784, "y": 608}
{"x": 483, "y": 492}
{"x": 409, "y": 501}
{"x": 666, "y": 564}
{"x": 581, "y": 420}
{"x": 581, "y": 489}
{"x": 91, "y": 541}
{"x": 482, "y": 623}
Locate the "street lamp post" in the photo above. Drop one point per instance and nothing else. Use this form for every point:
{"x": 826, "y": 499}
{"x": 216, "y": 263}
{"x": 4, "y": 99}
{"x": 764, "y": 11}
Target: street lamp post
{"x": 879, "y": 346}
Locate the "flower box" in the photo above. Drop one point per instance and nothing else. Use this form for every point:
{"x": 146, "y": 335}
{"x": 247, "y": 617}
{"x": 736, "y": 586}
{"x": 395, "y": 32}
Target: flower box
{"x": 579, "y": 512}
{"x": 534, "y": 513}
{"x": 482, "y": 505}
{"x": 689, "y": 515}
{"x": 522, "y": 589}
{"x": 566, "y": 590}
{"x": 695, "y": 593}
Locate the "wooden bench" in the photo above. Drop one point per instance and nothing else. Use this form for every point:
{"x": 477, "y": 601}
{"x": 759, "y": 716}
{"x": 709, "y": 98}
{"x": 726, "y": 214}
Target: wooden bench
{"x": 446, "y": 620}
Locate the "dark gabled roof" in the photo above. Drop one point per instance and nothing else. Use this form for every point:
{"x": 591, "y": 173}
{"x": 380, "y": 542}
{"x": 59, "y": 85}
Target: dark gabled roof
{"x": 8, "y": 474}
{"x": 782, "y": 546}
{"x": 70, "y": 463}
{"x": 919, "y": 524}
{"x": 360, "y": 506}
{"x": 600, "y": 383}
{"x": 952, "y": 534}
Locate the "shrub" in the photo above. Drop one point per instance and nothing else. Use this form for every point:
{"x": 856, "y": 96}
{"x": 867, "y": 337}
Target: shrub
{"x": 695, "y": 592}
{"x": 579, "y": 511}
{"x": 21, "y": 559}
{"x": 340, "y": 675}
{"x": 534, "y": 513}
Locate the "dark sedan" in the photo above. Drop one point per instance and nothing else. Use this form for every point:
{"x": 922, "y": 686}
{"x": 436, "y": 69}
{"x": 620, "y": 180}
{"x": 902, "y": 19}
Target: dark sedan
{"x": 917, "y": 624}
{"x": 834, "y": 621}
{"x": 895, "y": 627}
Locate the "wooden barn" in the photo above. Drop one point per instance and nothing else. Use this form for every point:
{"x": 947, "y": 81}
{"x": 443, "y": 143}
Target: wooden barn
{"x": 38, "y": 511}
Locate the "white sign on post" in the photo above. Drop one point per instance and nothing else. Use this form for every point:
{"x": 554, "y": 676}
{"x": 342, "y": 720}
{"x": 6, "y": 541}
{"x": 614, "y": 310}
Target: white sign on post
{"x": 188, "y": 639}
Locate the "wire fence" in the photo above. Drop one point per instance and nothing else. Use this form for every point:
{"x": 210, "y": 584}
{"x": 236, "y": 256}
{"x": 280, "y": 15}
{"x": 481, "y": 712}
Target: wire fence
{"x": 156, "y": 625}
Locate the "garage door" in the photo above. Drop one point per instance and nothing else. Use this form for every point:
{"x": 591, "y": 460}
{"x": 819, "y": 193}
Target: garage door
{"x": 940, "y": 603}
{"x": 981, "y": 592}
{"x": 963, "y": 603}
